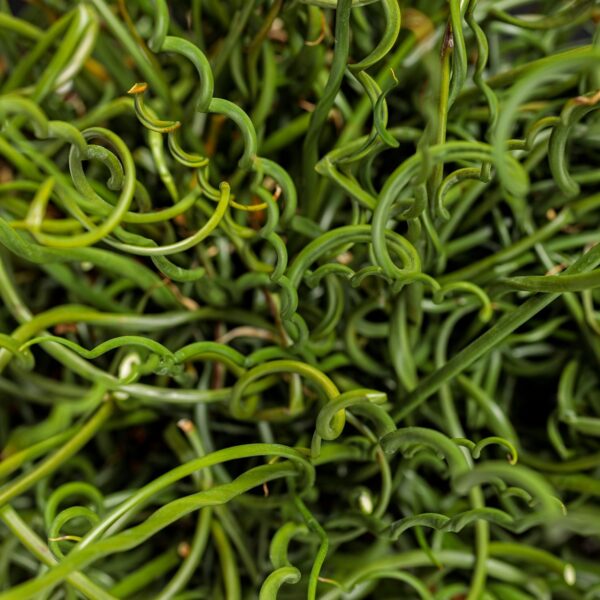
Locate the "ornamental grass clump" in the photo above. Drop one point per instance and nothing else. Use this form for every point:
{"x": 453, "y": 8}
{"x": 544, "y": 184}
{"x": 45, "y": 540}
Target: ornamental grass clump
{"x": 299, "y": 299}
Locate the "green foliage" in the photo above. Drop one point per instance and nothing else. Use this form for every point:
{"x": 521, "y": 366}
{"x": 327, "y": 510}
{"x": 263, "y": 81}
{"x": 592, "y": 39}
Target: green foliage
{"x": 299, "y": 299}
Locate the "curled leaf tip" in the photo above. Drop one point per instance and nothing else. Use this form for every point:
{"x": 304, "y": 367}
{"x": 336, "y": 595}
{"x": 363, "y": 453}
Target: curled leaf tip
{"x": 138, "y": 88}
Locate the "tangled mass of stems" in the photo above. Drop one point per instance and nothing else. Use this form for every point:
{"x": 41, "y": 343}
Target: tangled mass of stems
{"x": 299, "y": 299}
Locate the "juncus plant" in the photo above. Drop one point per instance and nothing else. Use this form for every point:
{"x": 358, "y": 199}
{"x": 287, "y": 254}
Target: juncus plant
{"x": 299, "y": 299}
